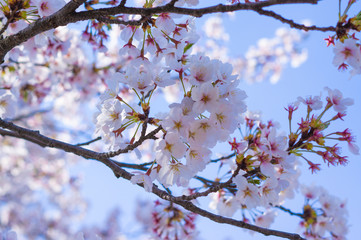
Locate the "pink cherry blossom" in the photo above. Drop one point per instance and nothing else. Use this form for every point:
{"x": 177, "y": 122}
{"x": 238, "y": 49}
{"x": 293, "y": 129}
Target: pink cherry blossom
{"x": 205, "y": 97}
{"x": 201, "y": 70}
{"x": 348, "y": 51}
{"x": 313, "y": 103}
{"x": 165, "y": 23}
{"x": 339, "y": 103}
{"x": 47, "y": 7}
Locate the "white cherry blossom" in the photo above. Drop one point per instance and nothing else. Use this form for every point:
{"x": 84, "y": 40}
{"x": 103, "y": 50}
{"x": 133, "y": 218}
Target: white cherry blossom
{"x": 7, "y": 104}
{"x": 247, "y": 193}
{"x": 205, "y": 97}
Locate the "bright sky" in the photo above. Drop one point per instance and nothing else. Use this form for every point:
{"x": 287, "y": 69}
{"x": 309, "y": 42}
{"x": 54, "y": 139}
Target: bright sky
{"x": 106, "y": 192}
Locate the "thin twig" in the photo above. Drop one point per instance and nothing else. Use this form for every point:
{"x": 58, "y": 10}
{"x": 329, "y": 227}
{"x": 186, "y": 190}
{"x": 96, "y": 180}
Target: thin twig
{"x": 289, "y": 211}
{"x": 89, "y": 142}
{"x": 6, "y": 25}
{"x": 30, "y": 114}
{"x": 122, "y": 3}
{"x": 223, "y": 158}
{"x": 293, "y": 24}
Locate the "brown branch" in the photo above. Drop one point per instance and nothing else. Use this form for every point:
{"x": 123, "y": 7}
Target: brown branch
{"x": 16, "y": 135}
{"x": 122, "y": 3}
{"x": 36, "y": 137}
{"x": 68, "y": 15}
{"x": 216, "y": 218}
{"x": 89, "y": 142}
{"x": 172, "y": 2}
{"x": 130, "y": 147}
{"x": 196, "y": 12}
{"x": 121, "y": 22}
{"x": 293, "y": 24}
{"x": 223, "y": 158}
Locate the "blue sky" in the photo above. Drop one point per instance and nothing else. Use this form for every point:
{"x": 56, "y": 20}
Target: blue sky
{"x": 104, "y": 191}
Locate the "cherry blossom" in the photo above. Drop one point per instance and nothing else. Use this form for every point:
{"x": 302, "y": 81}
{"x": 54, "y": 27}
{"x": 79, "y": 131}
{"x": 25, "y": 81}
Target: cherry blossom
{"x": 144, "y": 178}
{"x": 201, "y": 70}
{"x": 247, "y": 193}
{"x": 337, "y": 101}
{"x": 171, "y": 145}
{"x": 349, "y": 52}
{"x": 7, "y": 104}
{"x": 205, "y": 97}
{"x": 314, "y": 103}
{"x": 166, "y": 221}
{"x": 47, "y": 7}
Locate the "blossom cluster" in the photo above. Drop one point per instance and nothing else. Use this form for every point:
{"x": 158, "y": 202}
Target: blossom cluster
{"x": 267, "y": 174}
{"x": 324, "y": 216}
{"x": 347, "y": 47}
{"x": 170, "y": 222}
{"x": 267, "y": 162}
{"x": 207, "y": 114}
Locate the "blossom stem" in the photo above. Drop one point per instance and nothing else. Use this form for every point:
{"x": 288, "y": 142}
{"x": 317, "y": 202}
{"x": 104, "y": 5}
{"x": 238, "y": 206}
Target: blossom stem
{"x": 324, "y": 111}
{"x": 181, "y": 79}
{"x": 151, "y": 94}
{"x": 136, "y": 131}
{"x": 140, "y": 99}
{"x": 127, "y": 105}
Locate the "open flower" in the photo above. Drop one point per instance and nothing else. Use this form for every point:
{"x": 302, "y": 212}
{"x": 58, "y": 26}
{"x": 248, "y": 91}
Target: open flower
{"x": 7, "y": 104}
{"x": 47, "y": 7}
{"x": 338, "y": 102}
{"x": 349, "y": 52}
{"x": 205, "y": 97}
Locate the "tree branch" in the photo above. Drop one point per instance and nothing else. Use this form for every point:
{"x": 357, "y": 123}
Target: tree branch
{"x": 68, "y": 15}
{"x": 89, "y": 142}
{"x": 130, "y": 147}
{"x": 289, "y": 211}
{"x": 293, "y": 24}
{"x": 121, "y": 22}
{"x": 36, "y": 137}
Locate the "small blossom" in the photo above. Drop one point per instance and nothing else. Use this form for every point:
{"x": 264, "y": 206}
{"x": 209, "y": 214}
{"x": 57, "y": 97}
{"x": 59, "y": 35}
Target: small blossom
{"x": 247, "y": 193}
{"x": 171, "y": 145}
{"x": 47, "y": 7}
{"x": 338, "y": 102}
{"x": 165, "y": 23}
{"x": 175, "y": 173}
{"x": 330, "y": 40}
{"x": 313, "y": 103}
{"x": 205, "y": 97}
{"x": 145, "y": 179}
{"x": 348, "y": 51}
{"x": 201, "y": 70}
{"x": 7, "y": 104}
